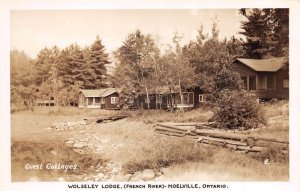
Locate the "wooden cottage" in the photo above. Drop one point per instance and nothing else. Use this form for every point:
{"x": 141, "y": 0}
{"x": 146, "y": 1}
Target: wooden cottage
{"x": 165, "y": 99}
{"x": 268, "y": 78}
{"x": 107, "y": 98}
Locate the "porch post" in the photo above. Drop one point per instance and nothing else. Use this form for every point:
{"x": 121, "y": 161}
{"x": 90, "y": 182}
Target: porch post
{"x": 274, "y": 82}
{"x": 256, "y": 82}
{"x": 93, "y": 100}
{"x": 248, "y": 83}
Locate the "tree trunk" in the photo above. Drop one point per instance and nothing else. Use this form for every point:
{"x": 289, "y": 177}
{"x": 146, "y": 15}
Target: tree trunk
{"x": 180, "y": 94}
{"x": 148, "y": 99}
{"x": 171, "y": 106}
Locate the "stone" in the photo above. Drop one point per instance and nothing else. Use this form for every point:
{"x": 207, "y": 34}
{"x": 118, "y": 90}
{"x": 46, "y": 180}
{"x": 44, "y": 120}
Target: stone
{"x": 61, "y": 179}
{"x": 69, "y": 142}
{"x": 148, "y": 174}
{"x": 100, "y": 175}
{"x": 161, "y": 178}
{"x": 79, "y": 145}
{"x": 81, "y": 151}
{"x": 121, "y": 178}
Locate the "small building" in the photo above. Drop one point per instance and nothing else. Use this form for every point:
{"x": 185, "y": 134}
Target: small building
{"x": 107, "y": 98}
{"x": 268, "y": 78}
{"x": 45, "y": 102}
{"x": 165, "y": 99}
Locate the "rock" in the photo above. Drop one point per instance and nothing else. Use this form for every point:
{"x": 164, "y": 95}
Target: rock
{"x": 136, "y": 177}
{"x": 164, "y": 170}
{"x": 69, "y": 142}
{"x": 148, "y": 174}
{"x": 81, "y": 151}
{"x": 79, "y": 145}
{"x": 161, "y": 178}
{"x": 121, "y": 178}
{"x": 115, "y": 170}
{"x": 61, "y": 179}
{"x": 100, "y": 175}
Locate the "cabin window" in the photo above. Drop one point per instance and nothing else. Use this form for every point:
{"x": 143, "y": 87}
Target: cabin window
{"x": 262, "y": 82}
{"x": 90, "y": 101}
{"x": 201, "y": 98}
{"x": 114, "y": 100}
{"x": 286, "y": 83}
{"x": 244, "y": 79}
{"x": 270, "y": 82}
{"x": 159, "y": 98}
{"x": 188, "y": 98}
{"x": 97, "y": 100}
{"x": 252, "y": 82}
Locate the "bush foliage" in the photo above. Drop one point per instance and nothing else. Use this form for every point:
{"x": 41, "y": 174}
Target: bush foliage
{"x": 238, "y": 110}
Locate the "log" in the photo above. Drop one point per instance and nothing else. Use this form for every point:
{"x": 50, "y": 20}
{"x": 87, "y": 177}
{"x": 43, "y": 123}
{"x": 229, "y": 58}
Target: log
{"x": 216, "y": 143}
{"x": 231, "y": 146}
{"x": 168, "y": 130}
{"x": 193, "y": 124}
{"x": 251, "y": 149}
{"x": 224, "y": 140}
{"x": 269, "y": 139}
{"x": 264, "y": 143}
{"x": 170, "y": 127}
{"x": 220, "y": 135}
{"x": 171, "y": 134}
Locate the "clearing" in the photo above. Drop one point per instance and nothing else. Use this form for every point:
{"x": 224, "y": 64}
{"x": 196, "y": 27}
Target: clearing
{"x": 129, "y": 150}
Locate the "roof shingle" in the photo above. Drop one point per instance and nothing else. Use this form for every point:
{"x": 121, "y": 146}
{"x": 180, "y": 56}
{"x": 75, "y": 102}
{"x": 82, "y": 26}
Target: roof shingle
{"x": 264, "y": 65}
{"x": 99, "y": 92}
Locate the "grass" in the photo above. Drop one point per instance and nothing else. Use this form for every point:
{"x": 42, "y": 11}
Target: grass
{"x": 141, "y": 148}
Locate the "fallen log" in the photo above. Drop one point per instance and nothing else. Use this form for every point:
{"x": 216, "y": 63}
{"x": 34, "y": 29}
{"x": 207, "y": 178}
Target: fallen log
{"x": 216, "y": 143}
{"x": 221, "y": 135}
{"x": 168, "y": 130}
{"x": 223, "y": 140}
{"x": 251, "y": 149}
{"x": 264, "y": 143}
{"x": 105, "y": 118}
{"x": 269, "y": 139}
{"x": 170, "y": 127}
{"x": 231, "y": 146}
{"x": 172, "y": 134}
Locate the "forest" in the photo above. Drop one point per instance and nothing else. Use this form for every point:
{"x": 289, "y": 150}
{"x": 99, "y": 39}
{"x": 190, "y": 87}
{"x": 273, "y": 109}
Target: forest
{"x": 140, "y": 66}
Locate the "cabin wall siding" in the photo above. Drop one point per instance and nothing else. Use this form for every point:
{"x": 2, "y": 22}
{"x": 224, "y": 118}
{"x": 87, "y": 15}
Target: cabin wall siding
{"x": 277, "y": 91}
{"x": 108, "y": 104}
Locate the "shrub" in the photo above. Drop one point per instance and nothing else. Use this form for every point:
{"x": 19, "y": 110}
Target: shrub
{"x": 238, "y": 110}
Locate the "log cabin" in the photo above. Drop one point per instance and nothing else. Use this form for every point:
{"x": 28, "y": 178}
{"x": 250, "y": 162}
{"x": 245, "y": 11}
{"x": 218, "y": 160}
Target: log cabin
{"x": 267, "y": 78}
{"x": 107, "y": 98}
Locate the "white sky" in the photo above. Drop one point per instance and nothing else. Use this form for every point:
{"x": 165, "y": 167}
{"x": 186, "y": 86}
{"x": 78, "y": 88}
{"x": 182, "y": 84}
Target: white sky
{"x": 32, "y": 30}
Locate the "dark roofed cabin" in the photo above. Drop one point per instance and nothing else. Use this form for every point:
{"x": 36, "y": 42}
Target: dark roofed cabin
{"x": 107, "y": 98}
{"x": 268, "y": 78}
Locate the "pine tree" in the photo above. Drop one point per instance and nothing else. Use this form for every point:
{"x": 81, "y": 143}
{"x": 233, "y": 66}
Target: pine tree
{"x": 72, "y": 69}
{"x": 266, "y": 31}
{"x": 98, "y": 62}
